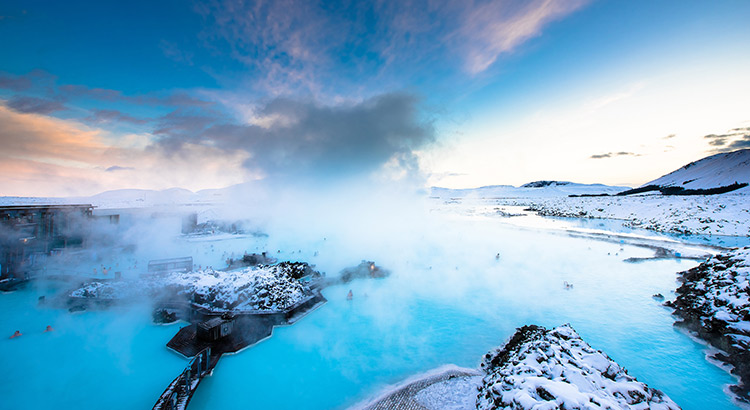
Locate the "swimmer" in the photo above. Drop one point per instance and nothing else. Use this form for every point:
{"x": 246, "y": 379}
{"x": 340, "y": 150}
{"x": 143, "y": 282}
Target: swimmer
{"x": 16, "y": 334}
{"x": 49, "y": 329}
{"x": 350, "y": 295}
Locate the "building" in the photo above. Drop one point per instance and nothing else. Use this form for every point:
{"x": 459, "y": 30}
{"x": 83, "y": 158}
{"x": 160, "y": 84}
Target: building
{"x": 28, "y": 231}
{"x": 214, "y": 329}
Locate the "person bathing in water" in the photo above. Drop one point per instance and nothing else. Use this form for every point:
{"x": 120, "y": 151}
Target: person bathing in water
{"x": 49, "y": 329}
{"x": 16, "y": 334}
{"x": 350, "y": 295}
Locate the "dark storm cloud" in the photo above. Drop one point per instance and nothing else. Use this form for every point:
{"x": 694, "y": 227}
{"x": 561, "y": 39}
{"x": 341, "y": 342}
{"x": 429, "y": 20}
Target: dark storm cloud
{"x": 297, "y": 139}
{"x": 740, "y": 143}
{"x": 34, "y": 105}
{"x": 613, "y": 154}
{"x": 736, "y": 138}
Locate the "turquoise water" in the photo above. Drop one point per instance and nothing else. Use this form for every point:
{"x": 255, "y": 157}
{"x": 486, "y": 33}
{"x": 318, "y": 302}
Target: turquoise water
{"x": 449, "y": 300}
{"x": 114, "y": 359}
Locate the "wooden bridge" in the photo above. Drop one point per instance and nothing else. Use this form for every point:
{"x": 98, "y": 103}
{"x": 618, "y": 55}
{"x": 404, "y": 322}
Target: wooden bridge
{"x": 180, "y": 391}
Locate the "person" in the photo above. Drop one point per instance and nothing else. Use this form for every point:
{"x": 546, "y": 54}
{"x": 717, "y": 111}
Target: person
{"x": 350, "y": 295}
{"x": 49, "y": 328}
{"x": 16, "y": 334}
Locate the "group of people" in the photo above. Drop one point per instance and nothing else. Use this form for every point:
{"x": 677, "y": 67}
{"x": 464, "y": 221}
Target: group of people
{"x": 18, "y": 333}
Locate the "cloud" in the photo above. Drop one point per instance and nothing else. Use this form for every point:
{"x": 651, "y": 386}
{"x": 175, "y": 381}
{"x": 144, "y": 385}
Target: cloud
{"x": 734, "y": 139}
{"x": 50, "y": 156}
{"x": 107, "y": 116}
{"x": 292, "y": 46}
{"x": 24, "y": 82}
{"x": 613, "y": 154}
{"x": 26, "y": 104}
{"x": 499, "y": 27}
{"x": 118, "y": 168}
{"x": 309, "y": 140}
{"x": 174, "y": 52}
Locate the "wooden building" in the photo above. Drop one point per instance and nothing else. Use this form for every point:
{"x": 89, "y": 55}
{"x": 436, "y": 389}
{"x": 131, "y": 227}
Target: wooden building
{"x": 214, "y": 329}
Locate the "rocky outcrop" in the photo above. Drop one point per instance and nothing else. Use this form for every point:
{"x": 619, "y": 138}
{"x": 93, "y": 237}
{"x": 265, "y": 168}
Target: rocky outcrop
{"x": 714, "y": 302}
{"x": 272, "y": 288}
{"x": 555, "y": 369}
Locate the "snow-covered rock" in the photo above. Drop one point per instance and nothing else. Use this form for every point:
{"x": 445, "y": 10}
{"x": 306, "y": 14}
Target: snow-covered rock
{"x": 714, "y": 301}
{"x": 711, "y": 172}
{"x": 257, "y": 288}
{"x": 270, "y": 288}
{"x": 555, "y": 369}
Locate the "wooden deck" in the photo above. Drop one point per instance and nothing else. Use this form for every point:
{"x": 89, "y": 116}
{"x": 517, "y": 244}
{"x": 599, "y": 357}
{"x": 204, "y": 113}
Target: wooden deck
{"x": 248, "y": 330}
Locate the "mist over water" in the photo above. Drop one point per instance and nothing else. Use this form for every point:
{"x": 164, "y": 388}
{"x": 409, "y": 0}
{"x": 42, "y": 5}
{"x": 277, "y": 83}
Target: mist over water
{"x": 461, "y": 283}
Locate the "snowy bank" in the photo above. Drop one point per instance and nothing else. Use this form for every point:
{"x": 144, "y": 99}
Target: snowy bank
{"x": 725, "y": 214}
{"x": 714, "y": 301}
{"x": 555, "y": 369}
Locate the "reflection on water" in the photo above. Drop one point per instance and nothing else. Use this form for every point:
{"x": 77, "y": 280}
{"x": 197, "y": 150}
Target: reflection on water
{"x": 460, "y": 286}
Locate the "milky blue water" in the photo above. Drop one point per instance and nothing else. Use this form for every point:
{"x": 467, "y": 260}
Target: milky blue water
{"x": 449, "y": 300}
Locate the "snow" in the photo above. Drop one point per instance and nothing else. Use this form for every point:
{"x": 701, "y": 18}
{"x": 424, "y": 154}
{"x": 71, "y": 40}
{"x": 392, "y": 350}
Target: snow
{"x": 714, "y": 301}
{"x": 264, "y": 288}
{"x": 119, "y": 199}
{"x": 532, "y": 190}
{"x": 726, "y": 214}
{"x": 554, "y": 369}
{"x": 458, "y": 393}
{"x": 717, "y": 292}
{"x": 711, "y": 172}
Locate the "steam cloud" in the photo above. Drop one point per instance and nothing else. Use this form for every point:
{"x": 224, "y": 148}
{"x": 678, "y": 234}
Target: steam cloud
{"x": 300, "y": 140}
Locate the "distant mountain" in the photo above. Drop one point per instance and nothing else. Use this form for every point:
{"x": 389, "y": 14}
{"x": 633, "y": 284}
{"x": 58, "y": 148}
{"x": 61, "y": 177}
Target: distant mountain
{"x": 532, "y": 189}
{"x": 715, "y": 171}
{"x": 542, "y": 184}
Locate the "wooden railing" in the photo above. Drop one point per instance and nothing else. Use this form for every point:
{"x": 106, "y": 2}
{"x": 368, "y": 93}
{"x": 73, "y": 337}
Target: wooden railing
{"x": 177, "y": 395}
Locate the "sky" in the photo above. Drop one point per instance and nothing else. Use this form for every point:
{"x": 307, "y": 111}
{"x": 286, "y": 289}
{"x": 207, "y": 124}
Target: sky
{"x": 105, "y": 95}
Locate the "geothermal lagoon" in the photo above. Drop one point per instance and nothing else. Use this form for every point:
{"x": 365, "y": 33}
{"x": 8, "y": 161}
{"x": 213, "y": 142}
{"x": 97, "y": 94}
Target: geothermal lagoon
{"x": 463, "y": 278}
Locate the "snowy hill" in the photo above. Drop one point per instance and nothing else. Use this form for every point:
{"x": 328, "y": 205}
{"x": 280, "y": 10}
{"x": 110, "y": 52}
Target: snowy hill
{"x": 532, "y": 189}
{"x": 138, "y": 198}
{"x": 120, "y": 198}
{"x": 711, "y": 172}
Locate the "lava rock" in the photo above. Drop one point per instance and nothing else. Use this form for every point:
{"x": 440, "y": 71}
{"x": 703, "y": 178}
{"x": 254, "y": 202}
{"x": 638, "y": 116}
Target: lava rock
{"x": 555, "y": 369}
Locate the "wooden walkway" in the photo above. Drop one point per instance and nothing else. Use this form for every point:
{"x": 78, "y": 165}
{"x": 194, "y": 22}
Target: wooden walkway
{"x": 178, "y": 394}
{"x": 247, "y": 330}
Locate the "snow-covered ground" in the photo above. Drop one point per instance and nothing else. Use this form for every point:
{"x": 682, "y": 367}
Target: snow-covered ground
{"x": 726, "y": 214}
{"x": 714, "y": 301}
{"x": 265, "y": 288}
{"x": 556, "y": 369}
{"x": 722, "y": 214}
{"x": 538, "y": 189}
{"x": 711, "y": 172}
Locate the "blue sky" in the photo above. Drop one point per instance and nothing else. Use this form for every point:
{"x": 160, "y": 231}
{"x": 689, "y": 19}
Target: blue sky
{"x": 107, "y": 95}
